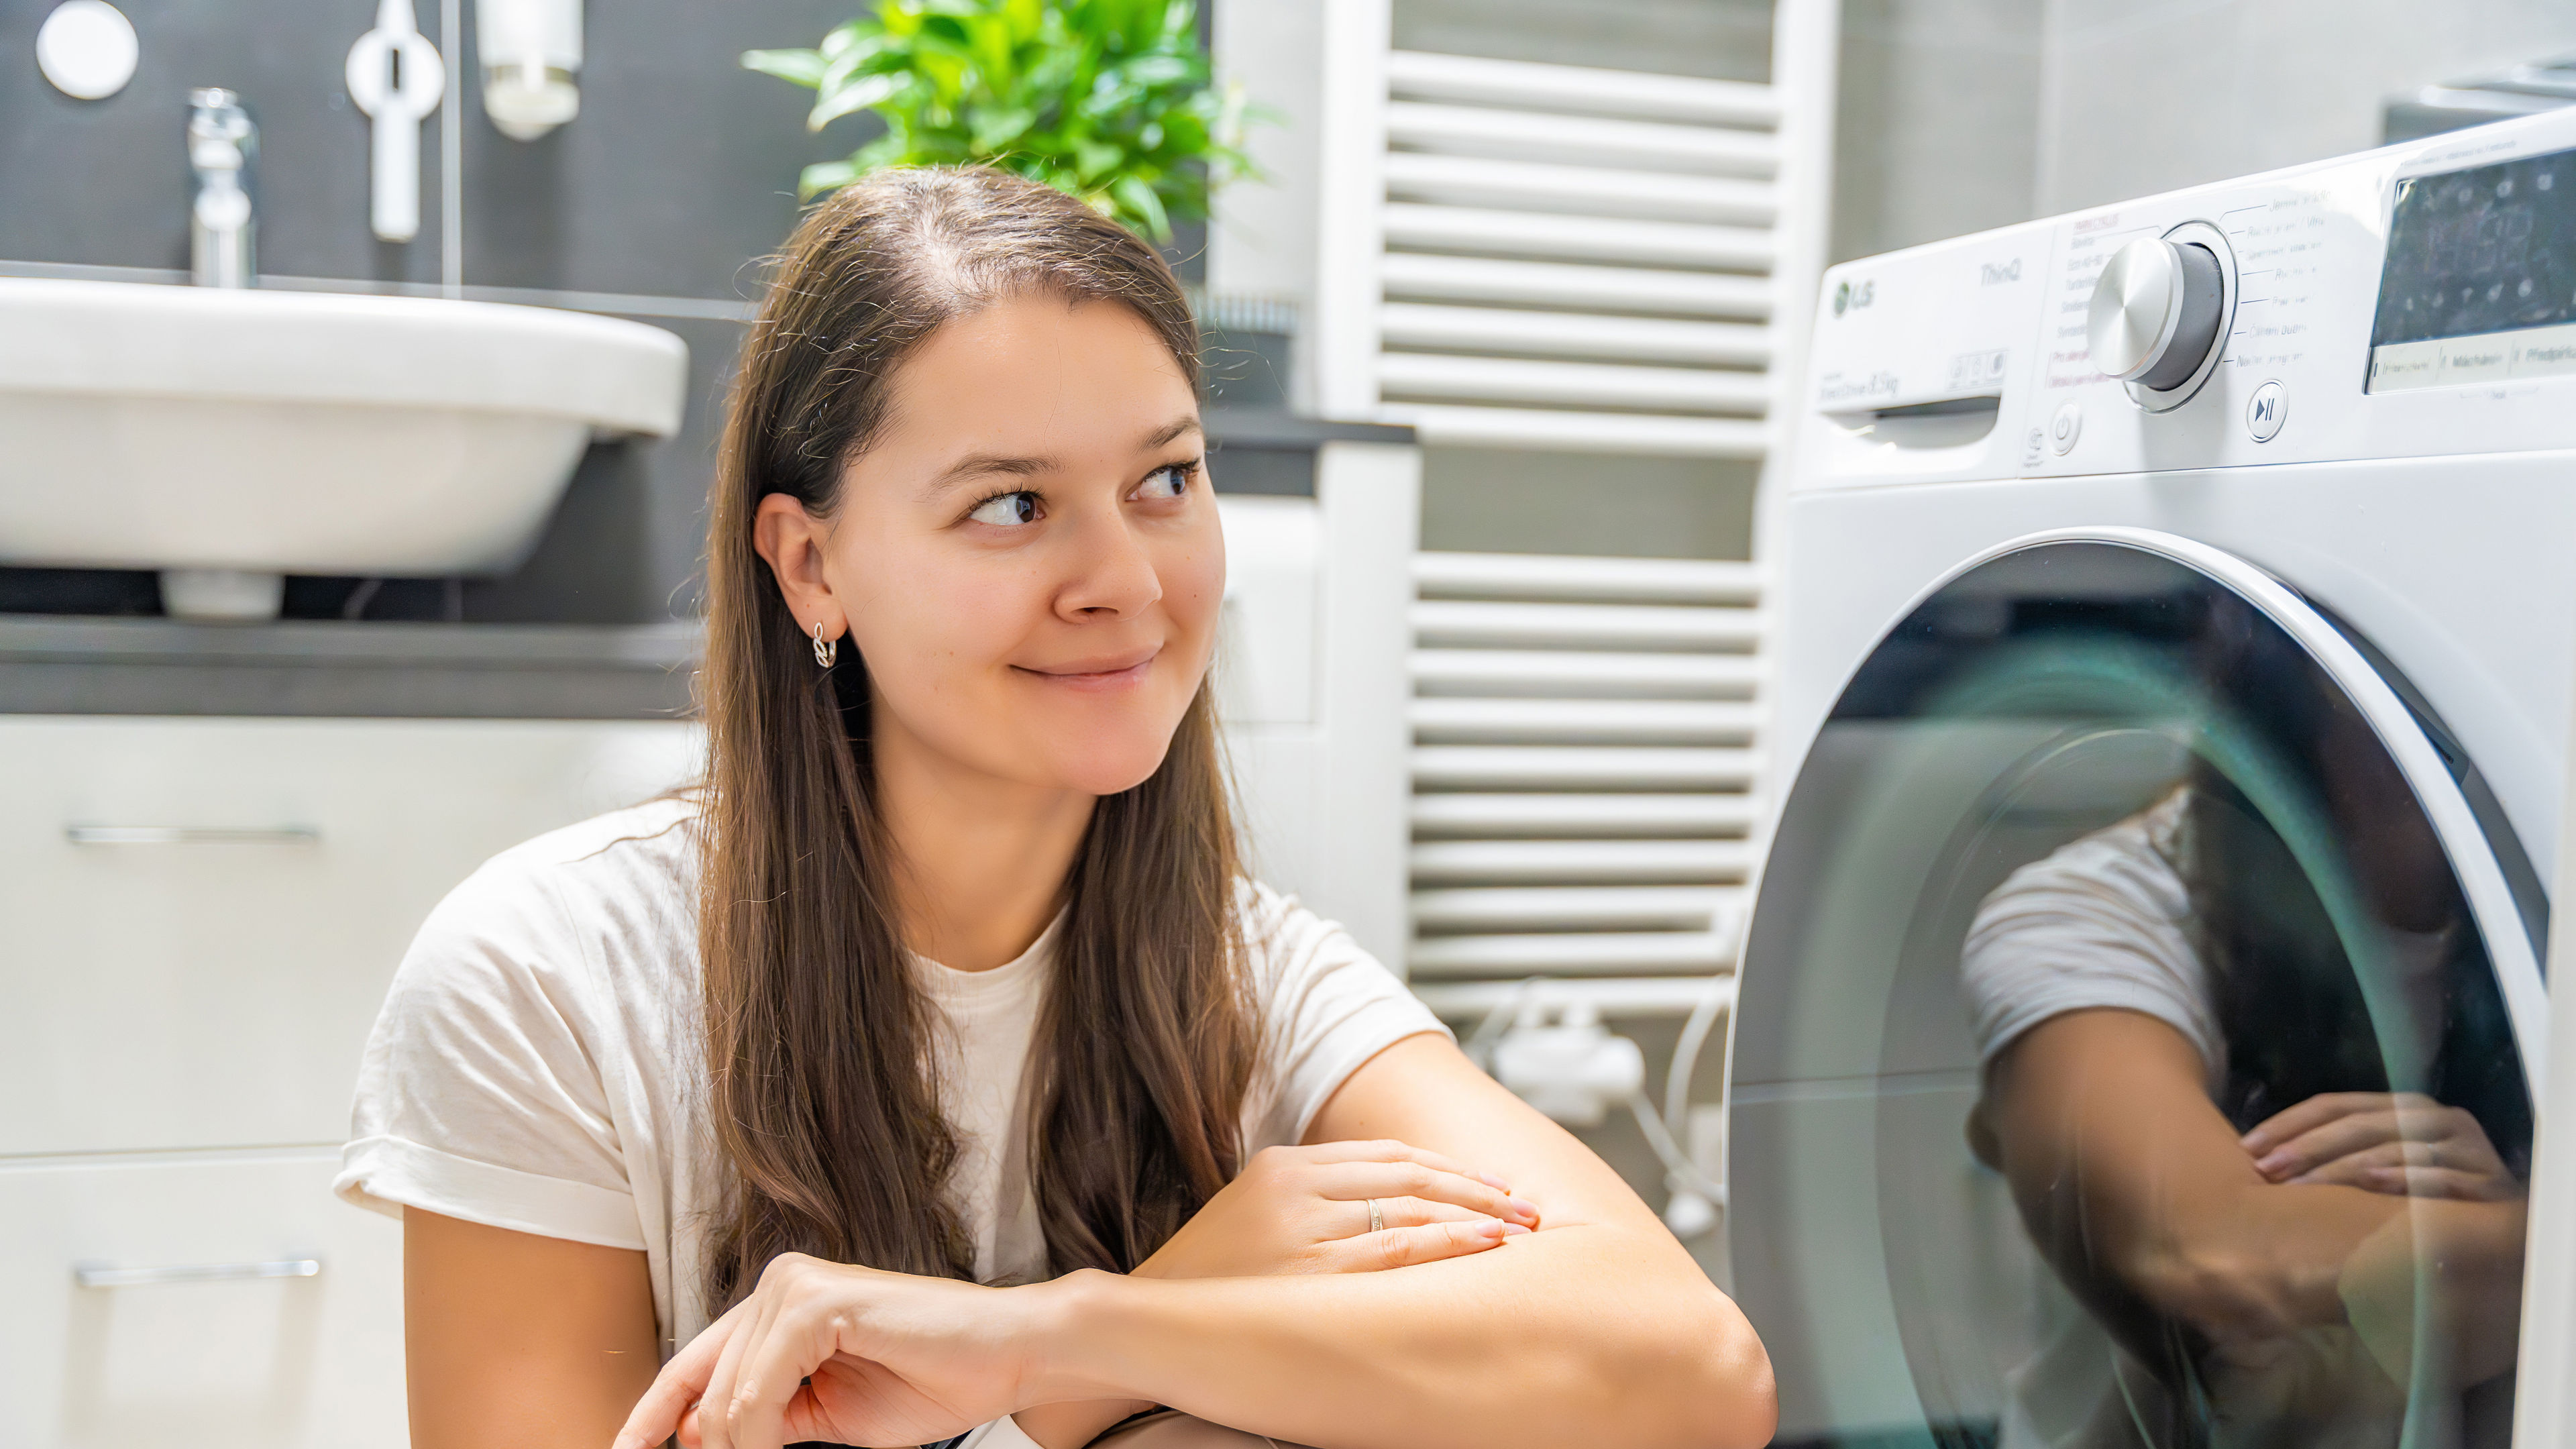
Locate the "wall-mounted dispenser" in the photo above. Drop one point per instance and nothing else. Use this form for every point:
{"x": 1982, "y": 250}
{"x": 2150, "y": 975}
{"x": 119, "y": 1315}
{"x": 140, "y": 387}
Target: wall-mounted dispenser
{"x": 396, "y": 78}
{"x": 87, "y": 49}
{"x": 531, "y": 53}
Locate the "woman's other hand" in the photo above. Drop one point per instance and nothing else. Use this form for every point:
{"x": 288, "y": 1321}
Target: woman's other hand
{"x": 846, "y": 1354}
{"x": 1306, "y": 1210}
{"x": 2403, "y": 1144}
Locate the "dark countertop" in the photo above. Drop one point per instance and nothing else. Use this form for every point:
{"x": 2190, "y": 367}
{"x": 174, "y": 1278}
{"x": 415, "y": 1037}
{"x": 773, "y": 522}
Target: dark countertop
{"x": 60, "y": 665}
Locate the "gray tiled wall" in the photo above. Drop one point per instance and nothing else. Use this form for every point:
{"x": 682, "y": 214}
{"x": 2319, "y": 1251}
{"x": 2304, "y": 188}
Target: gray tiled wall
{"x": 2142, "y": 96}
{"x": 680, "y": 166}
{"x": 1937, "y": 121}
{"x": 680, "y": 169}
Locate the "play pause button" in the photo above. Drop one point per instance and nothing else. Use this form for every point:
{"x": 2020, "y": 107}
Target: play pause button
{"x": 2265, "y": 411}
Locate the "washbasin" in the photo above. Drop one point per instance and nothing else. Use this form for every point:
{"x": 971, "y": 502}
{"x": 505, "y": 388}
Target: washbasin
{"x": 227, "y": 437}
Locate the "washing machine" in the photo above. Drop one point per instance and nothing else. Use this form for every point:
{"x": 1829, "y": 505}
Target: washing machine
{"x": 2143, "y": 1014}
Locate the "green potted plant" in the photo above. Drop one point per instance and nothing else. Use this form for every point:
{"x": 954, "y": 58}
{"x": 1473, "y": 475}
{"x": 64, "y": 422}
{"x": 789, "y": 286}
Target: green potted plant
{"x": 1110, "y": 100}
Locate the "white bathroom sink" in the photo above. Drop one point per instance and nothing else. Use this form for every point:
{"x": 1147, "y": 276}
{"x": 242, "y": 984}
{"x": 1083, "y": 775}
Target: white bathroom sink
{"x": 228, "y": 437}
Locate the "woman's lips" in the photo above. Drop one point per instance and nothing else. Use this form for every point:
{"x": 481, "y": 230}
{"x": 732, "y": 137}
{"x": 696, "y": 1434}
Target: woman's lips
{"x": 1108, "y": 672}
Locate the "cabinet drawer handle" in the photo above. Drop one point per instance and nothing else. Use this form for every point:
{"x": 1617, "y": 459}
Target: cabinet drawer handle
{"x": 95, "y": 1277}
{"x": 190, "y": 835}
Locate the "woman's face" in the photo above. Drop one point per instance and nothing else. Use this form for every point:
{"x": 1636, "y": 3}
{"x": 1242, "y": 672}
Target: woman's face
{"x": 1028, "y": 559}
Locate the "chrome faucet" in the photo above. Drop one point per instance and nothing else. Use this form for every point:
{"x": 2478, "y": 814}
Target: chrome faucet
{"x": 222, "y": 143}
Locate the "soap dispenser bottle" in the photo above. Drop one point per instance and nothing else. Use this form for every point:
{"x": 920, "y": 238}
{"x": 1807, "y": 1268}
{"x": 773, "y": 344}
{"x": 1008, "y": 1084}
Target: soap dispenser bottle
{"x": 531, "y": 53}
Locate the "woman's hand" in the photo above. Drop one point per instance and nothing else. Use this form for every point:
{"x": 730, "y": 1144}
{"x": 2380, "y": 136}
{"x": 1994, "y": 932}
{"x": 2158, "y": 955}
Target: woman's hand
{"x": 851, "y": 1355}
{"x": 2403, "y": 1144}
{"x": 1305, "y": 1210}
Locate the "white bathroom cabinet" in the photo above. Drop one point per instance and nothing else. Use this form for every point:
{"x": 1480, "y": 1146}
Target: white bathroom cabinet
{"x": 246, "y": 1362}
{"x": 202, "y": 915}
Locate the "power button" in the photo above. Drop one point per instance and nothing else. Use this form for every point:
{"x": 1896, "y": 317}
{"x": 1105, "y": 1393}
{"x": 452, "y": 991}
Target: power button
{"x": 2265, "y": 411}
{"x": 2065, "y": 428}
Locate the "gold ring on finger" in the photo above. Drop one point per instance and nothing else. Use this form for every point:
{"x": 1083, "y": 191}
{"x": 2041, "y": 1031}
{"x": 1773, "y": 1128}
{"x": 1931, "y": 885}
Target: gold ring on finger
{"x": 1377, "y": 1220}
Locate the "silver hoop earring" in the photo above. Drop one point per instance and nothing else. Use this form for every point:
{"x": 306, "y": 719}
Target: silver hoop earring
{"x": 825, "y": 650}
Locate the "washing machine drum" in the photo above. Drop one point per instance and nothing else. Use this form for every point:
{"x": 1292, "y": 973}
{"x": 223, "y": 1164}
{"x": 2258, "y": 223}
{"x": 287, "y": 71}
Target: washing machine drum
{"x": 2130, "y": 1048}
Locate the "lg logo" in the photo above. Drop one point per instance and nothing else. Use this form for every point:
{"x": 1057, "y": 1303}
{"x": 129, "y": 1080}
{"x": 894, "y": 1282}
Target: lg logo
{"x": 1847, "y": 296}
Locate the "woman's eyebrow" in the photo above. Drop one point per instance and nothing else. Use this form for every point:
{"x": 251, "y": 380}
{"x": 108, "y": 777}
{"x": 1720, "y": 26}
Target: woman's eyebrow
{"x": 1173, "y": 429}
{"x": 985, "y": 465}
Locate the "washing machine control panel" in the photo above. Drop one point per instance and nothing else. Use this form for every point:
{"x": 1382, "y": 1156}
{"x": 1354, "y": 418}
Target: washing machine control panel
{"x": 2479, "y": 282}
{"x": 2412, "y": 301}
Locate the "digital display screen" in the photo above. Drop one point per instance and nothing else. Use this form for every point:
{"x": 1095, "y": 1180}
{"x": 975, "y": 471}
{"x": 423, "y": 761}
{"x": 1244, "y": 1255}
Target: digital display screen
{"x": 2480, "y": 284}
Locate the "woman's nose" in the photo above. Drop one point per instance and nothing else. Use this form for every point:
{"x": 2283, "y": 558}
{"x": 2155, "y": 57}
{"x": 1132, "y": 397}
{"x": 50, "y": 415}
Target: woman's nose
{"x": 1111, "y": 575}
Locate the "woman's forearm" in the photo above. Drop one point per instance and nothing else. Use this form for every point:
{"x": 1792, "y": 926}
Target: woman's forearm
{"x": 1574, "y": 1335}
{"x": 2252, "y": 1260}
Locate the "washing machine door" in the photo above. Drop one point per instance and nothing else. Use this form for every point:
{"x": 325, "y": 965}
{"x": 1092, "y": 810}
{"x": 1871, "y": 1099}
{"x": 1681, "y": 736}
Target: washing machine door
{"x": 2136, "y": 1030}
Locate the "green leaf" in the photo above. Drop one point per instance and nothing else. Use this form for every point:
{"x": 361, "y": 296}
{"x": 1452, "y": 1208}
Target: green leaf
{"x": 845, "y": 35}
{"x": 796, "y": 67}
{"x": 1159, "y": 70}
{"x": 1185, "y": 133}
{"x": 894, "y": 148}
{"x": 868, "y": 54}
{"x": 1095, "y": 159}
{"x": 993, "y": 129}
{"x": 858, "y": 95}
{"x": 825, "y": 176}
{"x": 1140, "y": 208}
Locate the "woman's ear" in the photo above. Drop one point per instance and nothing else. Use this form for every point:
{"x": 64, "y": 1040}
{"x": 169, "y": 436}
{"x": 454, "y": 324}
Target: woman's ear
{"x": 791, "y": 540}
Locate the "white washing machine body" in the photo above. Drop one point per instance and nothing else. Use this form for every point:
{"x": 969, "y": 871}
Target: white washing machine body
{"x": 2354, "y": 518}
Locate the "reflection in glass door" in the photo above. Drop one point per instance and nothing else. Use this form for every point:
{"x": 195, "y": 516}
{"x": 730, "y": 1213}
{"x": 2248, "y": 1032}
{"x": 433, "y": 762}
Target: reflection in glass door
{"x": 2122, "y": 1059}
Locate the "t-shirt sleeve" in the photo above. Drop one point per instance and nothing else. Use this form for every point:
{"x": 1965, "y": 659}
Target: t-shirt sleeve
{"x": 2100, "y": 923}
{"x": 1327, "y": 1007}
{"x": 479, "y": 1097}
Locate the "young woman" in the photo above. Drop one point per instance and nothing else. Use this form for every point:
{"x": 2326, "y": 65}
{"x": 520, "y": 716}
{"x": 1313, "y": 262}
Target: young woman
{"x": 933, "y": 1071}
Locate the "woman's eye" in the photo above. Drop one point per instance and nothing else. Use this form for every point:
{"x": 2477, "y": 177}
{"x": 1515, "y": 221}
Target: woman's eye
{"x": 1010, "y": 510}
{"x": 1167, "y": 482}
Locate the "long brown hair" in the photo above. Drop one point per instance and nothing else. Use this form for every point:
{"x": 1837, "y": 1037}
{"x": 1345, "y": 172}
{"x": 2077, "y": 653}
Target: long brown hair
{"x": 822, "y": 1093}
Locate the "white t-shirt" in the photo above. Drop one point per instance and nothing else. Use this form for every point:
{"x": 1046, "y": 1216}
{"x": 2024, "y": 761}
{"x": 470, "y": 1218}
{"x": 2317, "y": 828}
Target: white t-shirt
{"x": 2103, "y": 922}
{"x": 538, "y": 1067}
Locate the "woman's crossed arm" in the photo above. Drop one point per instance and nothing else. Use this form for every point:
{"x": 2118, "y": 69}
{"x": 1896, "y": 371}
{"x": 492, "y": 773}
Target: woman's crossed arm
{"x": 1598, "y": 1328}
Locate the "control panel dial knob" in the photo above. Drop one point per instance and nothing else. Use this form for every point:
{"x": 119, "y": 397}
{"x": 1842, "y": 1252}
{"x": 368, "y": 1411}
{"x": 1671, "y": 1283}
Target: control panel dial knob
{"x": 2156, "y": 312}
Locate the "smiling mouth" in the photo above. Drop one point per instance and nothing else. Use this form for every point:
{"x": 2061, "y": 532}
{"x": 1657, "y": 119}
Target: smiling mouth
{"x": 1104, "y": 673}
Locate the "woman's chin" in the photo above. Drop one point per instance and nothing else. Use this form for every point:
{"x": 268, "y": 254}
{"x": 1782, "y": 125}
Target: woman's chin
{"x": 1107, "y": 766}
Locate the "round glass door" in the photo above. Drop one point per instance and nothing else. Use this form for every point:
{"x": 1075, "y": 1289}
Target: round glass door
{"x": 2127, "y": 1045}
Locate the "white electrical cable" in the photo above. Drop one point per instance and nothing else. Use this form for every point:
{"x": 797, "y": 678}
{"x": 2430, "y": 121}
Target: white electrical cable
{"x": 1479, "y": 1045}
{"x": 1681, "y": 1174}
{"x": 1694, "y": 1038}
{"x": 1680, "y": 1171}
